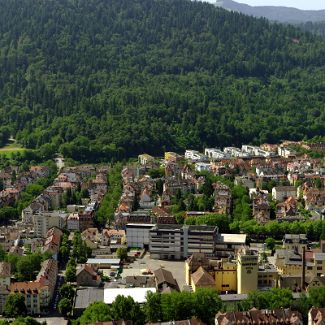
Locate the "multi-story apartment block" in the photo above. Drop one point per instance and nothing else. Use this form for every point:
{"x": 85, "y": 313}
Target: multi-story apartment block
{"x": 181, "y": 241}
{"x": 215, "y": 154}
{"x": 195, "y": 155}
{"x": 137, "y": 234}
{"x": 222, "y": 198}
{"x": 47, "y": 220}
{"x": 295, "y": 242}
{"x": 38, "y": 293}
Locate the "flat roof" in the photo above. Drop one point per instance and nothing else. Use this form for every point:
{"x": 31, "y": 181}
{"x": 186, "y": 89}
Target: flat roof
{"x": 86, "y": 296}
{"x": 138, "y": 294}
{"x": 234, "y": 297}
{"x": 103, "y": 261}
{"x": 233, "y": 238}
{"x": 140, "y": 225}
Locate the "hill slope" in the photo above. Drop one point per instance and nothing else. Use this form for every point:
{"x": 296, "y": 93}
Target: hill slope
{"x": 99, "y": 79}
{"x": 275, "y": 13}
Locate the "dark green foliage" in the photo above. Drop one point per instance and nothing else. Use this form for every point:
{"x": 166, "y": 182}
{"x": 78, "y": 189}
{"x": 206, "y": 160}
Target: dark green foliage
{"x": 65, "y": 248}
{"x": 156, "y": 172}
{"x": 4, "y": 136}
{"x": 102, "y": 80}
{"x": 70, "y": 273}
{"x": 221, "y": 221}
{"x": 122, "y": 253}
{"x": 65, "y": 306}
{"x": 125, "y": 308}
{"x": 270, "y": 243}
{"x": 67, "y": 291}
{"x": 26, "y": 267}
{"x": 242, "y": 208}
{"x": 26, "y": 321}
{"x": 153, "y": 308}
{"x": 317, "y": 297}
{"x": 277, "y": 230}
{"x": 80, "y": 251}
{"x": 109, "y": 204}
{"x": 204, "y": 304}
{"x": 271, "y": 299}
{"x": 15, "y": 305}
{"x": 96, "y": 312}
{"x": 317, "y": 28}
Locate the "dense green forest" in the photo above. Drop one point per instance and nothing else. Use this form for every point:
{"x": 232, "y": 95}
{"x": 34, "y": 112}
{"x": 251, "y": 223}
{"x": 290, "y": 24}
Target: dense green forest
{"x": 317, "y": 28}
{"x": 103, "y": 79}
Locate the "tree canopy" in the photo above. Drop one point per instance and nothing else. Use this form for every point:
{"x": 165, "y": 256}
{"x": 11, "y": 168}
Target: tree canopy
{"x": 105, "y": 80}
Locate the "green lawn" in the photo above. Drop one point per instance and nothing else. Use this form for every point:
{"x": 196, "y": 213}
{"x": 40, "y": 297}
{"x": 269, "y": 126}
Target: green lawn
{"x": 11, "y": 148}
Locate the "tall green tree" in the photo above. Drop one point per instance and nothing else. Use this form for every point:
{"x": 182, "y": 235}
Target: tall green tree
{"x": 15, "y": 306}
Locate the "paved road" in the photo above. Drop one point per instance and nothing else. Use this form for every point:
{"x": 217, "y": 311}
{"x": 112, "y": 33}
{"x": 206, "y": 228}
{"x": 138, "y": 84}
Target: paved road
{"x": 176, "y": 267}
{"x": 59, "y": 162}
{"x": 53, "y": 320}
{"x": 56, "y": 295}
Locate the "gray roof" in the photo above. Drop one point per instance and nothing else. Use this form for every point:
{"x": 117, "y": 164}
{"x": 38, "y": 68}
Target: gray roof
{"x": 86, "y": 296}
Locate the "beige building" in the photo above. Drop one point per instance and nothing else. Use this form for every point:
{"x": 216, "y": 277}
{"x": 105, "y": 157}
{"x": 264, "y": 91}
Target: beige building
{"x": 247, "y": 271}
{"x": 38, "y": 293}
{"x": 5, "y": 274}
{"x": 46, "y": 220}
{"x": 295, "y": 242}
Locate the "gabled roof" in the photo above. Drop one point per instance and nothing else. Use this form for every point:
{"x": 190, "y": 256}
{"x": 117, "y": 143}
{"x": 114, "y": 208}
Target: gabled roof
{"x": 202, "y": 278}
{"x": 164, "y": 276}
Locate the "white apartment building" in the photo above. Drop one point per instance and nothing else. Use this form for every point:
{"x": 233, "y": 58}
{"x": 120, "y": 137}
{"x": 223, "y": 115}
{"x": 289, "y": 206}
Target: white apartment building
{"x": 46, "y": 220}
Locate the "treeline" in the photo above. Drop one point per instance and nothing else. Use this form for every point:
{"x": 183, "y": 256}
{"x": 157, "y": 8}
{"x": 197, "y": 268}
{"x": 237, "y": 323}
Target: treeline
{"x": 203, "y": 304}
{"x": 317, "y": 28}
{"x": 102, "y": 80}
{"x": 25, "y": 267}
{"x": 315, "y": 230}
{"x": 282, "y": 298}
{"x": 110, "y": 201}
{"x": 4, "y": 135}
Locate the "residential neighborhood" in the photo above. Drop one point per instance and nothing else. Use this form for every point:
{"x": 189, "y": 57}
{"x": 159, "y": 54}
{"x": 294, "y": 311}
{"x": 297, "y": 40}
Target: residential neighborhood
{"x": 175, "y": 227}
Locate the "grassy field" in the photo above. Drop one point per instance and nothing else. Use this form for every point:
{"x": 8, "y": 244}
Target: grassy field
{"x": 11, "y": 148}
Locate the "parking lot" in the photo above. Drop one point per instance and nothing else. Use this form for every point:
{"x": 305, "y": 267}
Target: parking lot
{"x": 176, "y": 267}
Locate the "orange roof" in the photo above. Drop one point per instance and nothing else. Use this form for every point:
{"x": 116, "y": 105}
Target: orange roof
{"x": 25, "y": 286}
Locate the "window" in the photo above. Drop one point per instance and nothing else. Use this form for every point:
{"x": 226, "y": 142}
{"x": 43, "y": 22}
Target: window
{"x": 319, "y": 267}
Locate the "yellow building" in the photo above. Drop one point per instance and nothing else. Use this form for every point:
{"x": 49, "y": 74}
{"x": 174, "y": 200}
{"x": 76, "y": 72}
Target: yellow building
{"x": 172, "y": 156}
{"x": 225, "y": 274}
{"x": 247, "y": 271}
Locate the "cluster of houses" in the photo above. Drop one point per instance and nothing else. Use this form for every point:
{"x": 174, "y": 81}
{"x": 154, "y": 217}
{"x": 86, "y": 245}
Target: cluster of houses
{"x": 38, "y": 293}
{"x": 14, "y": 181}
{"x": 51, "y": 209}
{"x": 40, "y": 229}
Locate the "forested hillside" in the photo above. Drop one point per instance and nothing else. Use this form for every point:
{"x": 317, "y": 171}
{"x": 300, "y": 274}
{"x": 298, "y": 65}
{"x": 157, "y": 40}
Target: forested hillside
{"x": 100, "y": 79}
{"x": 317, "y": 28}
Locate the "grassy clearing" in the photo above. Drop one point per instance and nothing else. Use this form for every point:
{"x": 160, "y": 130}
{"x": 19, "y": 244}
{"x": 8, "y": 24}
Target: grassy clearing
{"x": 11, "y": 148}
